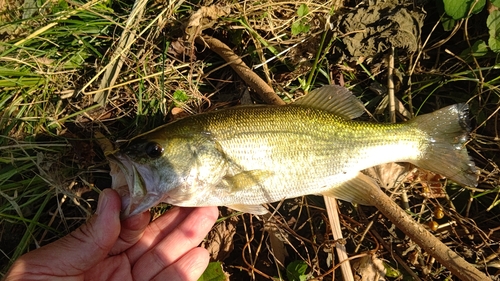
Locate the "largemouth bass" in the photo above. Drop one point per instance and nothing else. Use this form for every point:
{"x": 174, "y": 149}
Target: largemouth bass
{"x": 246, "y": 156}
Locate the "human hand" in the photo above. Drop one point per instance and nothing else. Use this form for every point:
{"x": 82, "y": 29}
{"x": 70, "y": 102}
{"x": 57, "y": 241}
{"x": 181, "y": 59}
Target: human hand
{"x": 106, "y": 248}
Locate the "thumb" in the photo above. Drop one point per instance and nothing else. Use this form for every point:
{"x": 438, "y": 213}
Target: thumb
{"x": 83, "y": 248}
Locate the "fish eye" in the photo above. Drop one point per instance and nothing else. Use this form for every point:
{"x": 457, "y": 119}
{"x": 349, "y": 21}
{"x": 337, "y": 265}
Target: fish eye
{"x": 154, "y": 150}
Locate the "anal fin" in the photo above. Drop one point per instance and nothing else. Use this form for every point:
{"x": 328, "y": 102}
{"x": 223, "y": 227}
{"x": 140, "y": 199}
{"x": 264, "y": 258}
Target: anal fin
{"x": 252, "y": 209}
{"x": 356, "y": 190}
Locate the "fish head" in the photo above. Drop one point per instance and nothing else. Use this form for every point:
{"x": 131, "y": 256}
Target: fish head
{"x": 179, "y": 170}
{"x": 143, "y": 174}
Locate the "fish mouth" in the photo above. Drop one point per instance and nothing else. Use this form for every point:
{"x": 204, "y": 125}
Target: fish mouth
{"x": 130, "y": 180}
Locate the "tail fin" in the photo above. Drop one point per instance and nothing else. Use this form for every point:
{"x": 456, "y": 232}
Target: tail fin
{"x": 448, "y": 130}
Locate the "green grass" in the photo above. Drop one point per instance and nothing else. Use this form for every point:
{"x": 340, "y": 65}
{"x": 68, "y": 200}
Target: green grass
{"x": 52, "y": 63}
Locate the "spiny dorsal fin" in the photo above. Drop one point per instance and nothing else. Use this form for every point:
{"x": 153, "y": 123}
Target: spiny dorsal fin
{"x": 335, "y": 99}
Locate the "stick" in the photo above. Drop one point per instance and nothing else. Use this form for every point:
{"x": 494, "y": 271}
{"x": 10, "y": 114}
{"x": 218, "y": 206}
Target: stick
{"x": 437, "y": 249}
{"x": 251, "y": 79}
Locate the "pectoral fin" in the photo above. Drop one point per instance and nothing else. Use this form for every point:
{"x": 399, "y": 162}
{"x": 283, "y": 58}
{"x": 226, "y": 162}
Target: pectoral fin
{"x": 252, "y": 209}
{"x": 246, "y": 179}
{"x": 356, "y": 190}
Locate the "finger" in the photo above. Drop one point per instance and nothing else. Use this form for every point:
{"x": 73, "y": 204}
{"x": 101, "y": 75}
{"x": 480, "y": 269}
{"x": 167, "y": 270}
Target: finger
{"x": 156, "y": 231}
{"x": 179, "y": 240}
{"x": 81, "y": 249}
{"x": 131, "y": 231}
{"x": 187, "y": 268}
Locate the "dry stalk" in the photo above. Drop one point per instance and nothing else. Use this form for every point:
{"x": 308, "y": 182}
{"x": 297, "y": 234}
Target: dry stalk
{"x": 333, "y": 216}
{"x": 390, "y": 86}
{"x": 126, "y": 40}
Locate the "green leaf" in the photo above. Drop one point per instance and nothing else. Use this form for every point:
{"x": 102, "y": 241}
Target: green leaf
{"x": 479, "y": 48}
{"x": 296, "y": 271}
{"x": 448, "y": 22}
{"x": 493, "y": 24}
{"x": 296, "y": 28}
{"x": 61, "y": 6}
{"x": 180, "y": 96}
{"x": 459, "y": 9}
{"x": 300, "y": 27}
{"x": 213, "y": 272}
{"x": 303, "y": 10}
{"x": 495, "y": 3}
{"x": 391, "y": 271}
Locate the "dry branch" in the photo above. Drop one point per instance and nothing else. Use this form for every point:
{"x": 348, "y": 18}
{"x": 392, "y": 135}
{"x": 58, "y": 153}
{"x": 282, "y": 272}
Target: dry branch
{"x": 437, "y": 249}
{"x": 265, "y": 91}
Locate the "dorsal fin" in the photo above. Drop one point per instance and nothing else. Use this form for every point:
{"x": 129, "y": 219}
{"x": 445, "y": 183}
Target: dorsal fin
{"x": 335, "y": 99}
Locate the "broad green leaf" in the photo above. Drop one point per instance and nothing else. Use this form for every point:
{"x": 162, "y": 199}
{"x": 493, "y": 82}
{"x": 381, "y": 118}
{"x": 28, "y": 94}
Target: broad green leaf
{"x": 493, "y": 23}
{"x": 213, "y": 272}
{"x": 495, "y": 3}
{"x": 296, "y": 271}
{"x": 459, "y": 9}
{"x": 296, "y": 28}
{"x": 299, "y": 27}
{"x": 180, "y": 96}
{"x": 479, "y": 48}
{"x": 448, "y": 22}
{"x": 303, "y": 10}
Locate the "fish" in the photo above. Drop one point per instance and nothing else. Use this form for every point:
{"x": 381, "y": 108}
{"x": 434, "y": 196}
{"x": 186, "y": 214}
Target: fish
{"x": 245, "y": 156}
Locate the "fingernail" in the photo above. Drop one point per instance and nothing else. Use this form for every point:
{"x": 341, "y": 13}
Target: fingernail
{"x": 103, "y": 201}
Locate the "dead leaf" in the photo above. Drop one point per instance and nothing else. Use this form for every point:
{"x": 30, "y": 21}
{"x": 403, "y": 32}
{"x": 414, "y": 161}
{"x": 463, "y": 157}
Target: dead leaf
{"x": 432, "y": 187}
{"x": 204, "y": 18}
{"x": 219, "y": 242}
{"x": 104, "y": 143}
{"x": 178, "y": 112}
{"x": 178, "y": 50}
{"x": 277, "y": 238}
{"x": 389, "y": 175}
{"x": 369, "y": 268}
{"x": 400, "y": 108}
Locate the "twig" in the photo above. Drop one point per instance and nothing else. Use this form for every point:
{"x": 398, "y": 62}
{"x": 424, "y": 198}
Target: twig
{"x": 437, "y": 249}
{"x": 251, "y": 79}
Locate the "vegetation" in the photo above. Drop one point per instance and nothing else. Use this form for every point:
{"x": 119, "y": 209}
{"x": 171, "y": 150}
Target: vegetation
{"x": 70, "y": 70}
